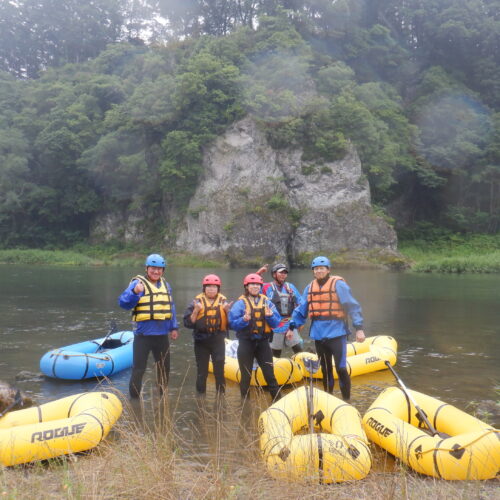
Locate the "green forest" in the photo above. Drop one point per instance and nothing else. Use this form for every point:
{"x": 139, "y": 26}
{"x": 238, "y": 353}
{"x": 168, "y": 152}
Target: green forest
{"x": 108, "y": 104}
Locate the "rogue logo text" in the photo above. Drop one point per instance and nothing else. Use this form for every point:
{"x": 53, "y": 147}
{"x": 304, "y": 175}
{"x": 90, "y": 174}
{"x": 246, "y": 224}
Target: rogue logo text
{"x": 378, "y": 427}
{"x": 67, "y": 430}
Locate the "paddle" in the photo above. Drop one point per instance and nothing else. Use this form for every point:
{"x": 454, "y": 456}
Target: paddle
{"x": 423, "y": 416}
{"x": 312, "y": 367}
{"x": 18, "y": 400}
{"x": 112, "y": 329}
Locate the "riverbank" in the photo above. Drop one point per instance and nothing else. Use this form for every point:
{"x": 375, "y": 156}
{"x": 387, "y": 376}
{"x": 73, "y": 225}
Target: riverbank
{"x": 155, "y": 461}
{"x": 449, "y": 254}
{"x": 454, "y": 253}
{"x": 96, "y": 257}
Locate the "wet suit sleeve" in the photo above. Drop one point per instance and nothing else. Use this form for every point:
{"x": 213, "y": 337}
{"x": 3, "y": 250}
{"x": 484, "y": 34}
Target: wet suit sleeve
{"x": 175, "y": 323}
{"x": 350, "y": 304}
{"x": 236, "y": 313}
{"x": 187, "y": 316}
{"x": 274, "y": 320}
{"x": 128, "y": 299}
{"x": 299, "y": 315}
{"x": 296, "y": 294}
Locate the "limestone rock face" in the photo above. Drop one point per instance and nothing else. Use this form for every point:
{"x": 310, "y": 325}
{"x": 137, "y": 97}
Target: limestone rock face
{"x": 122, "y": 226}
{"x": 255, "y": 203}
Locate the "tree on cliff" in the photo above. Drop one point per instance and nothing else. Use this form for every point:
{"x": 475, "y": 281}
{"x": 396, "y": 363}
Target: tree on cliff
{"x": 413, "y": 85}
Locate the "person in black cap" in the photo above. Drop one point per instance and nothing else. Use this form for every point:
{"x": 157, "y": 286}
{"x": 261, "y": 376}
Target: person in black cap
{"x": 286, "y": 298}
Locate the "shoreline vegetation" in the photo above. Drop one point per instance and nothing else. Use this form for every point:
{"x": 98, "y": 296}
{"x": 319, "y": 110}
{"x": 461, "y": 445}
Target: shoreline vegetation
{"x": 477, "y": 253}
{"x": 155, "y": 460}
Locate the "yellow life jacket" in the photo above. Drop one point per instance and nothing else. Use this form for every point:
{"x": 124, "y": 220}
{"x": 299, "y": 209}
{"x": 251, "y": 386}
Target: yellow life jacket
{"x": 323, "y": 301}
{"x": 212, "y": 318}
{"x": 156, "y": 303}
{"x": 258, "y": 324}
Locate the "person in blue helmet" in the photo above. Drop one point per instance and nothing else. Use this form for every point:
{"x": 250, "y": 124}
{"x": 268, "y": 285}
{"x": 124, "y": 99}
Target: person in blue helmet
{"x": 328, "y": 302}
{"x": 285, "y": 296}
{"x": 153, "y": 310}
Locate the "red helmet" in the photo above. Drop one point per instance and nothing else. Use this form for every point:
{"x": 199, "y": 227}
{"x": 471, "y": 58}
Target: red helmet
{"x": 253, "y": 278}
{"x": 211, "y": 279}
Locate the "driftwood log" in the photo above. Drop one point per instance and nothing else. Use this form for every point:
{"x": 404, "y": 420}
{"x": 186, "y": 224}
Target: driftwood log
{"x": 8, "y": 396}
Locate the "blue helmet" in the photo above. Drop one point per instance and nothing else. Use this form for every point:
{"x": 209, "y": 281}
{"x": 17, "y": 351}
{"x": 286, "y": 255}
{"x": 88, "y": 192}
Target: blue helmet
{"x": 155, "y": 260}
{"x": 320, "y": 261}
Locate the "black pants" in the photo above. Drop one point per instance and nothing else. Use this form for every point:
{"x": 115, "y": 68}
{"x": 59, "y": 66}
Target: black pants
{"x": 159, "y": 345}
{"x": 261, "y": 351}
{"x": 336, "y": 347}
{"x": 213, "y": 346}
{"x": 296, "y": 348}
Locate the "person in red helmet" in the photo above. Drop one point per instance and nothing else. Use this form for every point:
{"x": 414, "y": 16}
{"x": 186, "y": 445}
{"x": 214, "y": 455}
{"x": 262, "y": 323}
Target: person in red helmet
{"x": 253, "y": 317}
{"x": 206, "y": 315}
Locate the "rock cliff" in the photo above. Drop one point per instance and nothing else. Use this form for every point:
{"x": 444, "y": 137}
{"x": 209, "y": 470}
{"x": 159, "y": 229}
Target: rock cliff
{"x": 257, "y": 204}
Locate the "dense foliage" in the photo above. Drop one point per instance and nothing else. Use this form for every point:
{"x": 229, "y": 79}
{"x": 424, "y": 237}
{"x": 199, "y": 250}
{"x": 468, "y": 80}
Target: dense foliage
{"x": 107, "y": 105}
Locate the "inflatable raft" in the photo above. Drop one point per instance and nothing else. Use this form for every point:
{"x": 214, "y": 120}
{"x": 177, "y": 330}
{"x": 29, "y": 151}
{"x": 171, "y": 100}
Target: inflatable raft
{"x": 286, "y": 370}
{"x": 472, "y": 450}
{"x": 337, "y": 450}
{"x": 68, "y": 425}
{"x": 94, "y": 358}
{"x": 362, "y": 357}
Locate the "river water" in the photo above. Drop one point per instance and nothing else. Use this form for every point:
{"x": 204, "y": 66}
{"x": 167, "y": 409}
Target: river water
{"x": 446, "y": 326}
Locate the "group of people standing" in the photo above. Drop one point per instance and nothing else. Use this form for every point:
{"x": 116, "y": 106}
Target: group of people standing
{"x": 266, "y": 318}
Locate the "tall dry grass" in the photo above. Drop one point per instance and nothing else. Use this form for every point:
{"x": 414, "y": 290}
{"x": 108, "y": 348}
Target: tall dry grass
{"x": 153, "y": 454}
